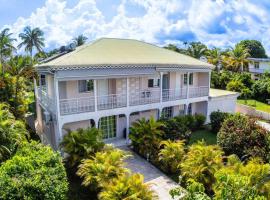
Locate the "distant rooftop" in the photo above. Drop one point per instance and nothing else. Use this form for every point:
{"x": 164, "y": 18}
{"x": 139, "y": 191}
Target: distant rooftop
{"x": 260, "y": 59}
{"x": 221, "y": 93}
{"x": 110, "y": 51}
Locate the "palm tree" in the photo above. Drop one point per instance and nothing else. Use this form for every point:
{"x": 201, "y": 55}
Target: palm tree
{"x": 102, "y": 168}
{"x": 196, "y": 50}
{"x": 146, "y": 135}
{"x": 80, "y": 40}
{"x": 236, "y": 59}
{"x": 214, "y": 57}
{"x": 32, "y": 38}
{"x": 172, "y": 154}
{"x": 128, "y": 187}
{"x": 6, "y": 46}
{"x": 81, "y": 143}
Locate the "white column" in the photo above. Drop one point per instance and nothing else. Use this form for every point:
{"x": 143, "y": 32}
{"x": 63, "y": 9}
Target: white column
{"x": 188, "y": 85}
{"x": 209, "y": 83}
{"x": 127, "y": 128}
{"x": 161, "y": 83}
{"x": 58, "y": 116}
{"x": 95, "y": 93}
{"x": 160, "y": 112}
{"x": 127, "y": 93}
{"x": 186, "y": 109}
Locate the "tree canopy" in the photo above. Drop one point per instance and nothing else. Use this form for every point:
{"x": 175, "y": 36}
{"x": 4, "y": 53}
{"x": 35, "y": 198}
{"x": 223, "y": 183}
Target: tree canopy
{"x": 255, "y": 48}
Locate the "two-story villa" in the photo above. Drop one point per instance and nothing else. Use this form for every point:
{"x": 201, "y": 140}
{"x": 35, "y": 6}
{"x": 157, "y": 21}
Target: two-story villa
{"x": 258, "y": 66}
{"x": 110, "y": 83}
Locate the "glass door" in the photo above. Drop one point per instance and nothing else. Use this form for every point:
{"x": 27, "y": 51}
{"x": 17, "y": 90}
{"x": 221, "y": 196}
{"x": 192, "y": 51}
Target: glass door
{"x": 108, "y": 126}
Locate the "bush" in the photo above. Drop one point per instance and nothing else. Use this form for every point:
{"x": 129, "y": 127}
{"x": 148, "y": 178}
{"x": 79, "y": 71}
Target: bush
{"x": 241, "y": 135}
{"x": 216, "y": 120}
{"x": 171, "y": 155}
{"x": 81, "y": 143}
{"x": 199, "y": 121}
{"x": 201, "y": 162}
{"x": 34, "y": 172}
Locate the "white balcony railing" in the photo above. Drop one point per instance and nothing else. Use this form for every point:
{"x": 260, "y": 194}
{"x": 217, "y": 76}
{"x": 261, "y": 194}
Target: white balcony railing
{"x": 174, "y": 94}
{"x": 141, "y": 97}
{"x": 256, "y": 70}
{"x": 45, "y": 99}
{"x": 111, "y": 101}
{"x": 79, "y": 105}
{"x": 198, "y": 91}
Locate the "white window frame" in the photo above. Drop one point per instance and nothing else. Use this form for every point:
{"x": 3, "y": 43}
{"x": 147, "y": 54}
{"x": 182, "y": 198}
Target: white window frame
{"x": 156, "y": 82}
{"x": 86, "y": 86}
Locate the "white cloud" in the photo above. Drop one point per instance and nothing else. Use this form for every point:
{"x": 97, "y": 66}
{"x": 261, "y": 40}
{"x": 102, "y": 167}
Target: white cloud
{"x": 214, "y": 22}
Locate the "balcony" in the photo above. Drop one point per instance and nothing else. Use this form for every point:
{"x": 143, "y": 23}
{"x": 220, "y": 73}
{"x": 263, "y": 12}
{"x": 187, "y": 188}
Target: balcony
{"x": 257, "y": 70}
{"x": 106, "y": 102}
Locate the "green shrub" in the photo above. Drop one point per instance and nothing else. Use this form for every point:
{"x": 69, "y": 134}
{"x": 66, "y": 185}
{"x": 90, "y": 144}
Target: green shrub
{"x": 201, "y": 163}
{"x": 241, "y": 135}
{"x": 81, "y": 143}
{"x": 216, "y": 120}
{"x": 34, "y": 172}
{"x": 199, "y": 121}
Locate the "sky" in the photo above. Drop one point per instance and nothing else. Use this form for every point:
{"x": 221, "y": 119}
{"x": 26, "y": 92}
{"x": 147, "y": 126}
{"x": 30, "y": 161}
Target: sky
{"x": 220, "y": 23}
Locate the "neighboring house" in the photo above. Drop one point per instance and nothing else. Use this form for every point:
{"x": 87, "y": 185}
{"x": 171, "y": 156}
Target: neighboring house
{"x": 110, "y": 83}
{"x": 258, "y": 66}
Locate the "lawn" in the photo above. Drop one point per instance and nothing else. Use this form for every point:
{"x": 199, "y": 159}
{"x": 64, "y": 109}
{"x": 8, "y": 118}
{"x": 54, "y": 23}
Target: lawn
{"x": 255, "y": 104}
{"x": 206, "y": 135}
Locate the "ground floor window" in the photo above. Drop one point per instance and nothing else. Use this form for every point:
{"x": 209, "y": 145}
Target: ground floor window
{"x": 182, "y": 109}
{"x": 167, "y": 112}
{"x": 108, "y": 126}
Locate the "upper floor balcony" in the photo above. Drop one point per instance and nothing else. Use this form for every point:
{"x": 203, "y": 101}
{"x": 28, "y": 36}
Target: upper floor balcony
{"x": 104, "y": 94}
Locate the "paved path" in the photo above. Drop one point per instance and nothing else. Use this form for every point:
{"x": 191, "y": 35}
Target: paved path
{"x": 160, "y": 183}
{"x": 264, "y": 125}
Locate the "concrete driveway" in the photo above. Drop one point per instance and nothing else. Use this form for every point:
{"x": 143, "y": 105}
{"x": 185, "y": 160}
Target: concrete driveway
{"x": 160, "y": 183}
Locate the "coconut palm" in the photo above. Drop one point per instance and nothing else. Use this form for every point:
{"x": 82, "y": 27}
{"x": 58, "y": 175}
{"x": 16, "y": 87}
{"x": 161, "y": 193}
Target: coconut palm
{"x": 103, "y": 167}
{"x": 214, "y": 56}
{"x": 146, "y": 135}
{"x": 32, "y": 39}
{"x": 81, "y": 143}
{"x": 196, "y": 50}
{"x": 6, "y": 46}
{"x": 128, "y": 187}
{"x": 236, "y": 59}
{"x": 172, "y": 154}
{"x": 80, "y": 40}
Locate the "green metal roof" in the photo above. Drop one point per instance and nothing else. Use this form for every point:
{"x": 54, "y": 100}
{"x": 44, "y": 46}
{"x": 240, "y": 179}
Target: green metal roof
{"x": 110, "y": 51}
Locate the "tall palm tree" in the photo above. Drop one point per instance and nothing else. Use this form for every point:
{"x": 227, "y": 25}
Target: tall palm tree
{"x": 214, "y": 56}
{"x": 80, "y": 40}
{"x": 6, "y": 46}
{"x": 196, "y": 50}
{"x": 236, "y": 59}
{"x": 32, "y": 39}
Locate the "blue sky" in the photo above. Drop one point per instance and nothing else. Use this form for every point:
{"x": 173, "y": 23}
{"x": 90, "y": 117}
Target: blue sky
{"x": 220, "y": 23}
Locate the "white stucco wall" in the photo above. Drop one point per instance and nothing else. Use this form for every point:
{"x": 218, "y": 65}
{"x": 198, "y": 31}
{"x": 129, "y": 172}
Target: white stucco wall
{"x": 75, "y": 125}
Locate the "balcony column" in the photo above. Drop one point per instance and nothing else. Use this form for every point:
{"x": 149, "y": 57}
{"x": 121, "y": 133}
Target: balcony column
{"x": 161, "y": 83}
{"x": 188, "y": 85}
{"x": 186, "y": 109}
{"x": 58, "y": 114}
{"x": 127, "y": 127}
{"x": 127, "y": 91}
{"x": 209, "y": 83}
{"x": 95, "y": 94}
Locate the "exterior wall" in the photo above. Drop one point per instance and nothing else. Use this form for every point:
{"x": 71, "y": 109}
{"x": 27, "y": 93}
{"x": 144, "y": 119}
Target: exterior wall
{"x": 75, "y": 125}
{"x": 50, "y": 85}
{"x": 262, "y": 66}
{"x": 72, "y": 90}
{"x": 144, "y": 114}
{"x": 199, "y": 108}
{"x": 224, "y": 104}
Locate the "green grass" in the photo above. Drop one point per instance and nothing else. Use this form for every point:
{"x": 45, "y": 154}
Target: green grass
{"x": 206, "y": 135}
{"x": 255, "y": 104}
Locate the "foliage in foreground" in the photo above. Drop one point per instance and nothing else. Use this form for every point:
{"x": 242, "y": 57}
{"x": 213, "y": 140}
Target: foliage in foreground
{"x": 12, "y": 133}
{"x": 81, "y": 143}
{"x": 34, "y": 172}
{"x": 216, "y": 120}
{"x": 242, "y": 136}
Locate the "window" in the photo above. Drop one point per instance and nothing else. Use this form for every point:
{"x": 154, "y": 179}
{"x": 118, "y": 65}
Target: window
{"x": 43, "y": 80}
{"x": 182, "y": 109}
{"x": 86, "y": 86}
{"x": 256, "y": 65}
{"x": 108, "y": 126}
{"x": 190, "y": 109}
{"x": 167, "y": 112}
{"x": 185, "y": 79}
{"x": 191, "y": 79}
{"x": 154, "y": 82}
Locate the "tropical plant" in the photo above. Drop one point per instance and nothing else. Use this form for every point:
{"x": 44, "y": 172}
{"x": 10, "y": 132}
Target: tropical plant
{"x": 236, "y": 59}
{"x": 242, "y": 136}
{"x": 100, "y": 169}
{"x": 255, "y": 48}
{"x": 199, "y": 120}
{"x": 235, "y": 85}
{"x": 216, "y": 120}
{"x": 146, "y": 136}
{"x": 201, "y": 163}
{"x": 32, "y": 39}
{"x": 214, "y": 56}
{"x": 6, "y": 46}
{"x": 80, "y": 40}
{"x": 196, "y": 49}
{"x": 261, "y": 88}
{"x": 127, "y": 187}
{"x": 193, "y": 191}
{"x": 34, "y": 172}
{"x": 171, "y": 154}
{"x": 12, "y": 133}
{"x": 81, "y": 143}
{"x": 242, "y": 181}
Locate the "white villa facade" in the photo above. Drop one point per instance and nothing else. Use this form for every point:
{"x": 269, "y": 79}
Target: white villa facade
{"x": 110, "y": 83}
{"x": 258, "y": 66}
